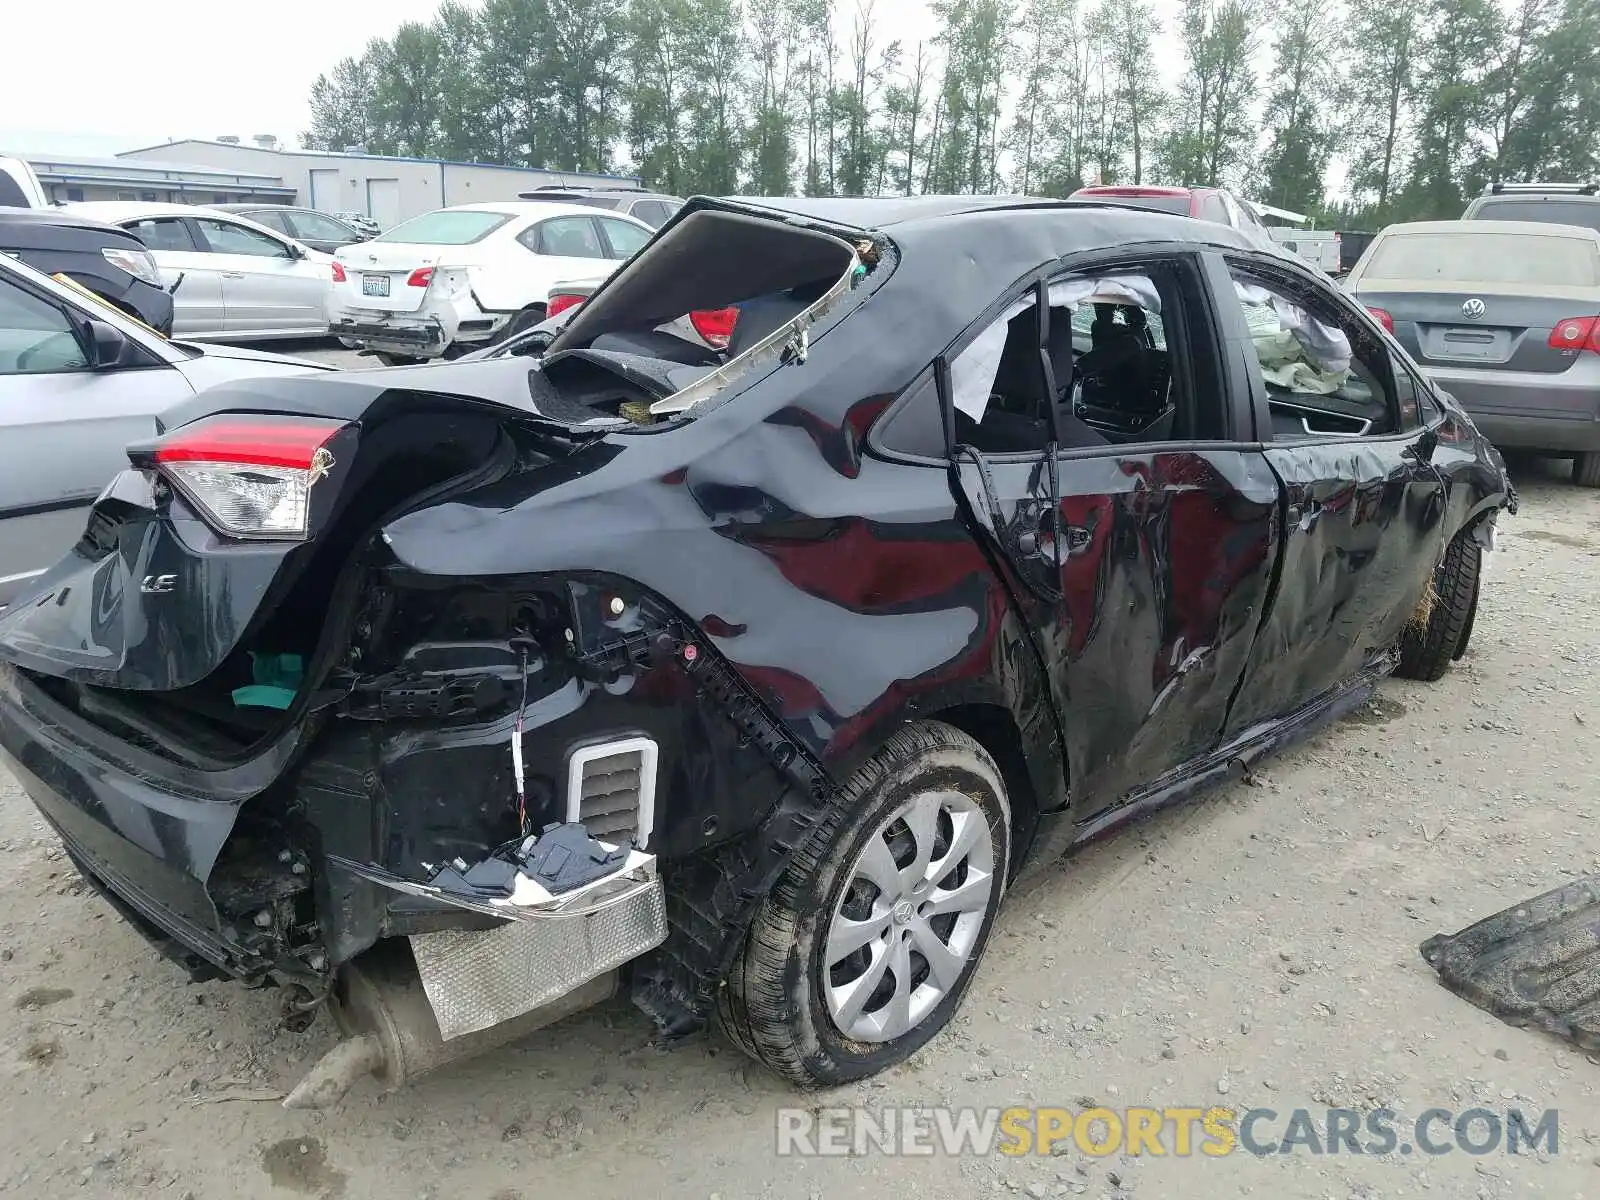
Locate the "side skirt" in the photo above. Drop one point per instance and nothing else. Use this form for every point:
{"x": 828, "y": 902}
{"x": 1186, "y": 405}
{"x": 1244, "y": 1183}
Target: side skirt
{"x": 1235, "y": 760}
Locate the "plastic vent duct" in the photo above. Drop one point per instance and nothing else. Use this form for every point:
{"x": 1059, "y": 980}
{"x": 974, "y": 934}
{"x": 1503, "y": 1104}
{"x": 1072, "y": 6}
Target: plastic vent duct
{"x": 611, "y": 788}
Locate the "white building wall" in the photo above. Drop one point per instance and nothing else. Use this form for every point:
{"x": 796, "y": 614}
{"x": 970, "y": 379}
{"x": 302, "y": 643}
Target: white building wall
{"x": 386, "y": 188}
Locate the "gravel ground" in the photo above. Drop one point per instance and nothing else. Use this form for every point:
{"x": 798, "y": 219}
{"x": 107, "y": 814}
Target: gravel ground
{"x": 1256, "y": 948}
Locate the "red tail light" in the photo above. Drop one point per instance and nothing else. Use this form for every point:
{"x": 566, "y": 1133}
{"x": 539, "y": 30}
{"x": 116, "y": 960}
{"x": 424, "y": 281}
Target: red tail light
{"x": 1383, "y": 317}
{"x": 421, "y": 277}
{"x": 251, "y": 477}
{"x": 338, "y": 272}
{"x": 561, "y": 301}
{"x": 1576, "y": 333}
{"x": 715, "y": 325}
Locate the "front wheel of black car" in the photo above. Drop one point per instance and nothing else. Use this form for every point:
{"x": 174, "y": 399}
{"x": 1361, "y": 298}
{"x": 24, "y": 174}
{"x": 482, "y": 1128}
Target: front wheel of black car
{"x": 1586, "y": 469}
{"x": 1438, "y": 635}
{"x": 864, "y": 949}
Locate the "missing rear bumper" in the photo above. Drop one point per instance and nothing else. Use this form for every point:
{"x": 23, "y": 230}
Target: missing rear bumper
{"x": 574, "y": 908}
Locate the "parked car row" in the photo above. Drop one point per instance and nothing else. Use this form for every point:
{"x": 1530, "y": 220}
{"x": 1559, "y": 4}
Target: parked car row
{"x": 306, "y": 225}
{"x": 231, "y": 278}
{"x": 437, "y": 286}
{"x": 460, "y": 278}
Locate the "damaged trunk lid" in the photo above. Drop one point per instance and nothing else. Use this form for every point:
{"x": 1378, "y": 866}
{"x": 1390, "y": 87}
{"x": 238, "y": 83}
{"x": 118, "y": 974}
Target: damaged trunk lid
{"x": 225, "y": 543}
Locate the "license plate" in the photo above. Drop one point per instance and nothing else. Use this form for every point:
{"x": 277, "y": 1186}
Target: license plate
{"x": 374, "y": 285}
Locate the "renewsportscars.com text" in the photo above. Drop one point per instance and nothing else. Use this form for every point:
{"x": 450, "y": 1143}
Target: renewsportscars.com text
{"x": 1179, "y": 1131}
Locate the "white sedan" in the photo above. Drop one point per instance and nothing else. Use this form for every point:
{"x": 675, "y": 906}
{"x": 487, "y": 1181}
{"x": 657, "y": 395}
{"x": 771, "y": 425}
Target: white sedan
{"x": 236, "y": 279}
{"x": 457, "y": 279}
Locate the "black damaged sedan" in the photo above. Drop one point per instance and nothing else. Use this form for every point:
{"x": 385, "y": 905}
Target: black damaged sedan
{"x": 738, "y": 672}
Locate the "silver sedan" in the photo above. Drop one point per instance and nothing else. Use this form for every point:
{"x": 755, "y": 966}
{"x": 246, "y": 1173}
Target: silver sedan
{"x": 232, "y": 279}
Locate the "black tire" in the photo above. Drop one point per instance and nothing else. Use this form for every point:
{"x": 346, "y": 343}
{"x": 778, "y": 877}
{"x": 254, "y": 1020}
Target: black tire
{"x": 772, "y": 1004}
{"x": 1586, "y": 469}
{"x": 1472, "y": 615}
{"x": 397, "y": 360}
{"x": 1426, "y": 651}
{"x": 521, "y": 323}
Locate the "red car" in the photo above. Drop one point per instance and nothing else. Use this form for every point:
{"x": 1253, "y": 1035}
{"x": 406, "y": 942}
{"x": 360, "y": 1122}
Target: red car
{"x": 1207, "y": 203}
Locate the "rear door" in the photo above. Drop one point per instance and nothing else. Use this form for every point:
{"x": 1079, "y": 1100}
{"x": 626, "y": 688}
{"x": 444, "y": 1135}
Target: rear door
{"x": 184, "y": 260}
{"x": 1364, "y": 508}
{"x": 63, "y": 427}
{"x": 266, "y": 286}
{"x": 568, "y": 247}
{"x": 623, "y": 238}
{"x": 1141, "y": 549}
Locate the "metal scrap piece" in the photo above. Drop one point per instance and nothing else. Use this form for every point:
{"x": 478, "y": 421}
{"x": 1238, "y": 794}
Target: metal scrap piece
{"x": 1537, "y": 963}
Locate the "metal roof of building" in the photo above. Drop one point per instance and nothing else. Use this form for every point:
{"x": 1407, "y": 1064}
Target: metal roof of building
{"x": 83, "y": 169}
{"x": 393, "y": 158}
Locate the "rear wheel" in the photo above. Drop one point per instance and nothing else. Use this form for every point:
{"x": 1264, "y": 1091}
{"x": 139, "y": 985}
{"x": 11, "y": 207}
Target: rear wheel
{"x": 521, "y": 323}
{"x": 864, "y": 949}
{"x": 1586, "y": 469}
{"x": 1427, "y": 647}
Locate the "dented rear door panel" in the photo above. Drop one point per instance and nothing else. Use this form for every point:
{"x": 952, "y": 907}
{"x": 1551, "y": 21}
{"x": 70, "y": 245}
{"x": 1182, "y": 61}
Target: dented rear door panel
{"x": 1166, "y": 558}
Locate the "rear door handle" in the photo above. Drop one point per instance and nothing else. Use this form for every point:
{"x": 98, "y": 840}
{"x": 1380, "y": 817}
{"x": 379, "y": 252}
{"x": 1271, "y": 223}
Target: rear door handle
{"x": 233, "y": 274}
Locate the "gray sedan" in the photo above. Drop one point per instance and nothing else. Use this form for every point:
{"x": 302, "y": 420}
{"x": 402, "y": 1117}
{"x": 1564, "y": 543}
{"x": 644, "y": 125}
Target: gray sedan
{"x": 78, "y": 382}
{"x": 1505, "y": 315}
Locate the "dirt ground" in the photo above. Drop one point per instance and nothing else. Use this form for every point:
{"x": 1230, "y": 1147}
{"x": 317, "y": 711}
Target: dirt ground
{"x": 1256, "y": 948}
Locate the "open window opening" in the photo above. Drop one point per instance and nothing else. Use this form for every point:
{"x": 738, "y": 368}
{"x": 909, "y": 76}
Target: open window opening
{"x": 1105, "y": 362}
{"x": 1326, "y": 376}
{"x": 720, "y": 295}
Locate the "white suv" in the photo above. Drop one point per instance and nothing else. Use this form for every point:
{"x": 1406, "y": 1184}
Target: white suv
{"x": 460, "y": 278}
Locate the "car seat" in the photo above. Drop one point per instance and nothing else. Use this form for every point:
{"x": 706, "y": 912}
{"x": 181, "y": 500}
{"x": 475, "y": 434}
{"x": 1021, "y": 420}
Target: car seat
{"x": 1123, "y": 374}
{"x": 1016, "y": 420}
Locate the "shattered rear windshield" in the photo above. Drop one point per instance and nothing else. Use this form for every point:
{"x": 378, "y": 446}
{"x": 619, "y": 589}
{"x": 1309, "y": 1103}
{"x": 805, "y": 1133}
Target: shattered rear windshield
{"x": 688, "y": 336}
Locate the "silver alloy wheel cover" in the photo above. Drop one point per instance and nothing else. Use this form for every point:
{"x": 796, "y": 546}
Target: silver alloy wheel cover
{"x": 900, "y": 921}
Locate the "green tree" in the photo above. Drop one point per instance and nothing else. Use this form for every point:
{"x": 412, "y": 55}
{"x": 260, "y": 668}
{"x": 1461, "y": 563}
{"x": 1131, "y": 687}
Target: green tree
{"x": 1215, "y": 134}
{"x": 1453, "y": 70}
{"x": 581, "y": 62}
{"x": 1379, "y": 92}
{"x": 1125, "y": 27}
{"x": 976, "y": 39}
{"x": 340, "y": 106}
{"x": 406, "y": 98}
{"x": 905, "y": 124}
{"x": 773, "y": 36}
{"x": 1560, "y": 136}
{"x": 1513, "y": 80}
{"x": 473, "y": 122}
{"x": 710, "y": 46}
{"x": 1298, "y": 112}
{"x": 1042, "y": 50}
{"x": 816, "y": 30}
{"x": 658, "y": 80}
{"x": 861, "y": 153}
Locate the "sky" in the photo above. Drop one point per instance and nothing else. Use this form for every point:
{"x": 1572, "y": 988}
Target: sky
{"x": 202, "y": 68}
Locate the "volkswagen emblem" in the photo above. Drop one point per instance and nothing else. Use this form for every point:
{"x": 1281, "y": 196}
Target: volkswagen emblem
{"x": 1473, "y": 308}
